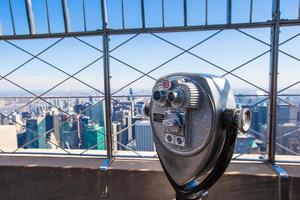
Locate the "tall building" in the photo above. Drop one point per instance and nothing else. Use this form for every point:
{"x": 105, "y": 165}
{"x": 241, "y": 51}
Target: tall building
{"x": 255, "y": 124}
{"x": 35, "y": 127}
{"x": 298, "y": 115}
{"x": 26, "y": 115}
{"x": 138, "y": 107}
{"x": 286, "y": 114}
{"x": 92, "y": 135}
{"x": 116, "y": 127}
{"x": 3, "y": 120}
{"x": 21, "y": 137}
{"x": 83, "y": 121}
{"x": 49, "y": 122}
{"x": 134, "y": 120}
{"x": 126, "y": 124}
{"x": 16, "y": 119}
{"x": 263, "y": 114}
{"x": 55, "y": 136}
{"x": 288, "y": 138}
{"x": 8, "y": 137}
{"x": 95, "y": 110}
{"x": 143, "y": 136}
{"x": 244, "y": 144}
{"x": 68, "y": 133}
{"x": 52, "y": 126}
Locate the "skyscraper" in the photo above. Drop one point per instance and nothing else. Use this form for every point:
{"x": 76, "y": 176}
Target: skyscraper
{"x": 68, "y": 133}
{"x": 8, "y": 137}
{"x": 96, "y": 112}
{"x": 92, "y": 135}
{"x": 286, "y": 114}
{"x": 288, "y": 138}
{"x": 36, "y": 128}
{"x": 263, "y": 114}
{"x": 143, "y": 136}
{"x": 255, "y": 124}
{"x": 244, "y": 144}
{"x": 116, "y": 127}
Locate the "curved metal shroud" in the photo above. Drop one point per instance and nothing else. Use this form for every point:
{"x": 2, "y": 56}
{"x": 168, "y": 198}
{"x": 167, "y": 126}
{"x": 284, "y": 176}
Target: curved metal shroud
{"x": 229, "y": 123}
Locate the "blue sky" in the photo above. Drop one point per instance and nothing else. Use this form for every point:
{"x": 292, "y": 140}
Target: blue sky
{"x": 227, "y": 49}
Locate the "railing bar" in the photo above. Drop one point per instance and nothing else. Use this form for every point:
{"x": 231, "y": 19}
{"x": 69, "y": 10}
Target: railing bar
{"x": 92, "y": 147}
{"x": 120, "y": 61}
{"x": 125, "y": 96}
{"x": 126, "y": 147}
{"x": 34, "y": 139}
{"x": 185, "y": 12}
{"x": 143, "y": 13}
{"x": 30, "y": 17}
{"x": 288, "y": 133}
{"x": 124, "y": 129}
{"x": 58, "y": 146}
{"x": 123, "y": 17}
{"x": 65, "y": 10}
{"x": 253, "y": 37}
{"x": 255, "y": 104}
{"x": 1, "y": 28}
{"x": 163, "y": 12}
{"x": 195, "y": 55}
{"x": 246, "y": 63}
{"x": 291, "y": 38}
{"x": 33, "y": 57}
{"x": 57, "y": 68}
{"x": 299, "y": 10}
{"x": 168, "y": 61}
{"x": 172, "y": 29}
{"x": 229, "y": 8}
{"x": 48, "y": 18}
{"x": 12, "y": 17}
{"x": 251, "y": 11}
{"x": 273, "y": 80}
{"x": 129, "y": 39}
{"x": 289, "y": 86}
{"x": 6, "y": 116}
{"x": 84, "y": 14}
{"x": 206, "y": 12}
{"x": 289, "y": 55}
{"x": 288, "y": 103}
{"x": 95, "y": 145}
{"x": 287, "y": 149}
{"x": 40, "y": 96}
{"x": 106, "y": 74}
{"x": 134, "y": 68}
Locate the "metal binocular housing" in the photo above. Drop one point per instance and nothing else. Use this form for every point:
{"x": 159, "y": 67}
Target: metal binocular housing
{"x": 195, "y": 123}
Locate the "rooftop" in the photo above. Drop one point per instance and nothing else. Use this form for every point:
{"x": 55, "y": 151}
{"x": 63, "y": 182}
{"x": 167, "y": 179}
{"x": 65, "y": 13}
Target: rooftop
{"x": 76, "y": 63}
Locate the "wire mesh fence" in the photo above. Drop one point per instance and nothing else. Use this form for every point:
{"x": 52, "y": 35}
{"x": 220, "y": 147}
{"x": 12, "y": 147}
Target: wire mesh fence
{"x": 83, "y": 92}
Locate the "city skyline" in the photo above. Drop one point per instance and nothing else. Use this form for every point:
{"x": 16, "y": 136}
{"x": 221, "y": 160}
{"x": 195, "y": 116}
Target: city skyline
{"x": 72, "y": 68}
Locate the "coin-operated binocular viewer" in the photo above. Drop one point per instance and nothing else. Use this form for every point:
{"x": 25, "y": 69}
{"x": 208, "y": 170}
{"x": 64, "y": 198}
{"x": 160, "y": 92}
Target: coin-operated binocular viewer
{"x": 195, "y": 123}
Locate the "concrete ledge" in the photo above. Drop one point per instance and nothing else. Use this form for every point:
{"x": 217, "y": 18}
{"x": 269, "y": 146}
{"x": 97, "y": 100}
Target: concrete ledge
{"x": 54, "y": 177}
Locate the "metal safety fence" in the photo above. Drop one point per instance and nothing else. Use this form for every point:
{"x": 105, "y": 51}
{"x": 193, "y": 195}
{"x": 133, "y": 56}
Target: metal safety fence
{"x": 269, "y": 142}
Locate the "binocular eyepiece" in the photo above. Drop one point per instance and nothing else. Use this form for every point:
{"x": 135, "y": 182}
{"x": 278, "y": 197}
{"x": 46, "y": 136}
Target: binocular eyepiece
{"x": 175, "y": 98}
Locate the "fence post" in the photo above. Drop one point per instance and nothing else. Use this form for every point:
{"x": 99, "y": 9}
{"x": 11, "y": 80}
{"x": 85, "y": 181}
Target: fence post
{"x": 272, "y": 121}
{"x": 105, "y": 40}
